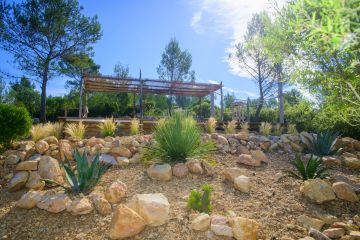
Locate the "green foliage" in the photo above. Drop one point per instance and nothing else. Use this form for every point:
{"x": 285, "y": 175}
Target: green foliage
{"x": 108, "y": 127}
{"x": 15, "y": 122}
{"x": 201, "y": 202}
{"x": 312, "y": 169}
{"x": 87, "y": 175}
{"x": 177, "y": 139}
{"x": 323, "y": 143}
{"x": 134, "y": 126}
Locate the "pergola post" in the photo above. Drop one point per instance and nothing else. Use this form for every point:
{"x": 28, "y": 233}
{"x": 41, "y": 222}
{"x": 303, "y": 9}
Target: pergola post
{"x": 200, "y": 109}
{"x": 81, "y": 97}
{"x": 222, "y": 102}
{"x": 141, "y": 99}
{"x": 212, "y": 107}
{"x": 85, "y": 110}
{"x": 134, "y": 104}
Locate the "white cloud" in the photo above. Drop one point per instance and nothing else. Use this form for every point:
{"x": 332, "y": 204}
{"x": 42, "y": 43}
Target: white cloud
{"x": 228, "y": 18}
{"x": 213, "y": 82}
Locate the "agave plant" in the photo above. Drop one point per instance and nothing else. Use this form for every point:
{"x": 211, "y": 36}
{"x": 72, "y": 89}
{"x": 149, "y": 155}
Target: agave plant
{"x": 313, "y": 168}
{"x": 323, "y": 144}
{"x": 86, "y": 176}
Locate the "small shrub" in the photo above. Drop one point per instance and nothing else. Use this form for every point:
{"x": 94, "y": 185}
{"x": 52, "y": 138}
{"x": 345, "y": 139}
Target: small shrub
{"x": 210, "y": 125}
{"x": 291, "y": 129}
{"x": 76, "y": 130}
{"x": 201, "y": 202}
{"x": 265, "y": 128}
{"x": 15, "y": 122}
{"x": 278, "y": 130}
{"x": 244, "y": 127}
{"x": 323, "y": 144}
{"x": 134, "y": 126}
{"x": 39, "y": 131}
{"x": 312, "y": 169}
{"x": 56, "y": 129}
{"x": 177, "y": 138}
{"x": 231, "y": 126}
{"x": 108, "y": 127}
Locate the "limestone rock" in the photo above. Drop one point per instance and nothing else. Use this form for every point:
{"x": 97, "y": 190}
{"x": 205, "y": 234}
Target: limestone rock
{"x": 194, "y": 166}
{"x": 161, "y": 172}
{"x": 352, "y": 162}
{"x": 100, "y": 203}
{"x": 242, "y": 183}
{"x": 125, "y": 223}
{"x": 108, "y": 159}
{"x": 153, "y": 208}
{"x": 29, "y": 199}
{"x": 309, "y": 222}
{"x": 12, "y": 159}
{"x": 18, "y": 181}
{"x": 331, "y": 161}
{"x": 122, "y": 161}
{"x": 51, "y": 140}
{"x": 180, "y": 170}
{"x": 208, "y": 169}
{"x": 222, "y": 140}
{"x": 35, "y": 181}
{"x": 355, "y": 235}
{"x": 116, "y": 192}
{"x": 41, "y": 146}
{"x": 317, "y": 190}
{"x": 27, "y": 166}
{"x": 242, "y": 150}
{"x": 80, "y": 206}
{"x": 259, "y": 155}
{"x": 201, "y": 222}
{"x": 345, "y": 192}
{"x": 242, "y": 136}
{"x": 66, "y": 151}
{"x": 317, "y": 235}
{"x": 334, "y": 232}
{"x": 49, "y": 168}
{"x": 222, "y": 230}
{"x": 54, "y": 203}
{"x": 121, "y": 152}
{"x": 244, "y": 228}
{"x": 247, "y": 159}
{"x": 231, "y": 173}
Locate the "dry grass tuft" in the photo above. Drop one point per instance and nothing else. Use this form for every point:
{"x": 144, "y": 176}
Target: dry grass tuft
{"x": 76, "y": 129}
{"x": 265, "y": 128}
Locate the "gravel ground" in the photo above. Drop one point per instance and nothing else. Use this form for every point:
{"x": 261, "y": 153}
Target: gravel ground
{"x": 275, "y": 204}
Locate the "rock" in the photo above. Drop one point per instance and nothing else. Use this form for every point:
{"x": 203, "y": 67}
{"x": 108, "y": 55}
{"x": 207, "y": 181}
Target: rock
{"x": 345, "y": 192}
{"x": 222, "y": 140}
{"x": 41, "y": 146}
{"x": 355, "y": 235}
{"x": 222, "y": 230}
{"x": 306, "y": 238}
{"x": 27, "y": 166}
{"x": 244, "y": 228}
{"x": 12, "y": 159}
{"x": 121, "y": 152}
{"x": 101, "y": 204}
{"x": 248, "y": 160}
{"x": 51, "y": 140}
{"x": 35, "y": 181}
{"x": 347, "y": 226}
{"x": 208, "y": 169}
{"x": 80, "y": 206}
{"x": 116, "y": 192}
{"x": 242, "y": 183}
{"x": 352, "y": 162}
{"x": 194, "y": 166}
{"x": 259, "y": 156}
{"x": 265, "y": 145}
{"x": 35, "y": 157}
{"x": 353, "y": 185}
{"x": 331, "y": 161}
{"x": 153, "y": 208}
{"x": 180, "y": 170}
{"x": 123, "y": 161}
{"x": 307, "y": 139}
{"x": 18, "y": 181}
{"x": 317, "y": 190}
{"x": 334, "y": 232}
{"x": 66, "y": 151}
{"x": 54, "y": 203}
{"x": 317, "y": 235}
{"x": 242, "y": 136}
{"x": 201, "y": 222}
{"x": 309, "y": 222}
{"x": 296, "y": 147}
{"x": 231, "y": 173}
{"x": 274, "y": 147}
{"x": 125, "y": 223}
{"x": 161, "y": 172}
{"x": 105, "y": 158}
{"x": 29, "y": 199}
{"x": 242, "y": 150}
{"x": 49, "y": 168}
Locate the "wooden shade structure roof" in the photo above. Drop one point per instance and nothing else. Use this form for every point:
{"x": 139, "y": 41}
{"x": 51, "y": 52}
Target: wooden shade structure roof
{"x": 93, "y": 83}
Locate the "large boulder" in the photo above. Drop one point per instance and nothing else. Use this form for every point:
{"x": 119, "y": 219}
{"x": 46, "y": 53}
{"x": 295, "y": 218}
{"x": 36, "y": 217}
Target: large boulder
{"x": 27, "y": 166}
{"x": 154, "y": 208}
{"x": 345, "y": 192}
{"x": 351, "y": 162}
{"x": 247, "y": 159}
{"x": 18, "y": 181}
{"x": 29, "y": 199}
{"x": 49, "y": 168}
{"x": 101, "y": 204}
{"x": 41, "y": 146}
{"x": 180, "y": 170}
{"x": 66, "y": 151}
{"x": 125, "y": 223}
{"x": 242, "y": 183}
{"x": 161, "y": 172}
{"x": 121, "y": 152}
{"x": 35, "y": 181}
{"x": 309, "y": 222}
{"x": 231, "y": 173}
{"x": 317, "y": 190}
{"x": 244, "y": 228}
{"x": 334, "y": 233}
{"x": 80, "y": 206}
{"x": 201, "y": 222}
{"x": 54, "y": 203}
{"x": 51, "y": 140}
{"x": 108, "y": 159}
{"x": 222, "y": 230}
{"x": 116, "y": 192}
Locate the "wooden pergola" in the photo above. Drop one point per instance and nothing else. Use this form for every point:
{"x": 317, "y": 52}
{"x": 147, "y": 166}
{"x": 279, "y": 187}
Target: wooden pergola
{"x": 111, "y": 84}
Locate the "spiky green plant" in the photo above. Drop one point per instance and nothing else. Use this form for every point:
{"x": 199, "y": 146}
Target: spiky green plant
{"x": 230, "y": 127}
{"x": 291, "y": 129}
{"x": 86, "y": 176}
{"x": 177, "y": 138}
{"x": 278, "y": 129}
{"x": 265, "y": 128}
{"x": 313, "y": 168}
{"x": 210, "y": 125}
{"x": 201, "y": 202}
{"x": 108, "y": 127}
{"x": 134, "y": 126}
{"x": 76, "y": 129}
{"x": 323, "y": 144}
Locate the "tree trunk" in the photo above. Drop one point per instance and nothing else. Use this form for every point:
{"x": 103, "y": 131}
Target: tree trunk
{"x": 281, "y": 102}
{"x": 169, "y": 102}
{"x": 43, "y": 95}
{"x": 261, "y": 103}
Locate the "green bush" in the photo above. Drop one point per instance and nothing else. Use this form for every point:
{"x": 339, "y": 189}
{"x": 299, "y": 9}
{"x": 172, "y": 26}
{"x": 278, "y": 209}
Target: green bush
{"x": 177, "y": 138}
{"x": 312, "y": 169}
{"x": 15, "y": 122}
{"x": 201, "y": 202}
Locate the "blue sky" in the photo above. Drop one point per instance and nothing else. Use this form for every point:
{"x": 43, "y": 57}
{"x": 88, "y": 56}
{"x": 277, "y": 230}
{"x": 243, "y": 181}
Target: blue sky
{"x": 135, "y": 33}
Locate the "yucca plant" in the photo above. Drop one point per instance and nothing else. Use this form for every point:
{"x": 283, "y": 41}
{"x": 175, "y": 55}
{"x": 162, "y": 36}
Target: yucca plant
{"x": 244, "y": 127}
{"x": 265, "y": 128}
{"x": 134, "y": 126}
{"x": 108, "y": 127}
{"x": 210, "y": 125}
{"x": 323, "y": 144}
{"x": 230, "y": 127}
{"x": 291, "y": 129}
{"x": 201, "y": 202}
{"x": 177, "y": 138}
{"x": 278, "y": 129}
{"x": 40, "y": 131}
{"x": 76, "y": 129}
{"x": 313, "y": 168}
{"x": 86, "y": 176}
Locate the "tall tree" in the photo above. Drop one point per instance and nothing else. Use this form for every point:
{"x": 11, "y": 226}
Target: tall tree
{"x": 3, "y": 92}
{"x": 121, "y": 70}
{"x": 175, "y": 65}
{"x": 40, "y": 33}
{"x": 252, "y": 57}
